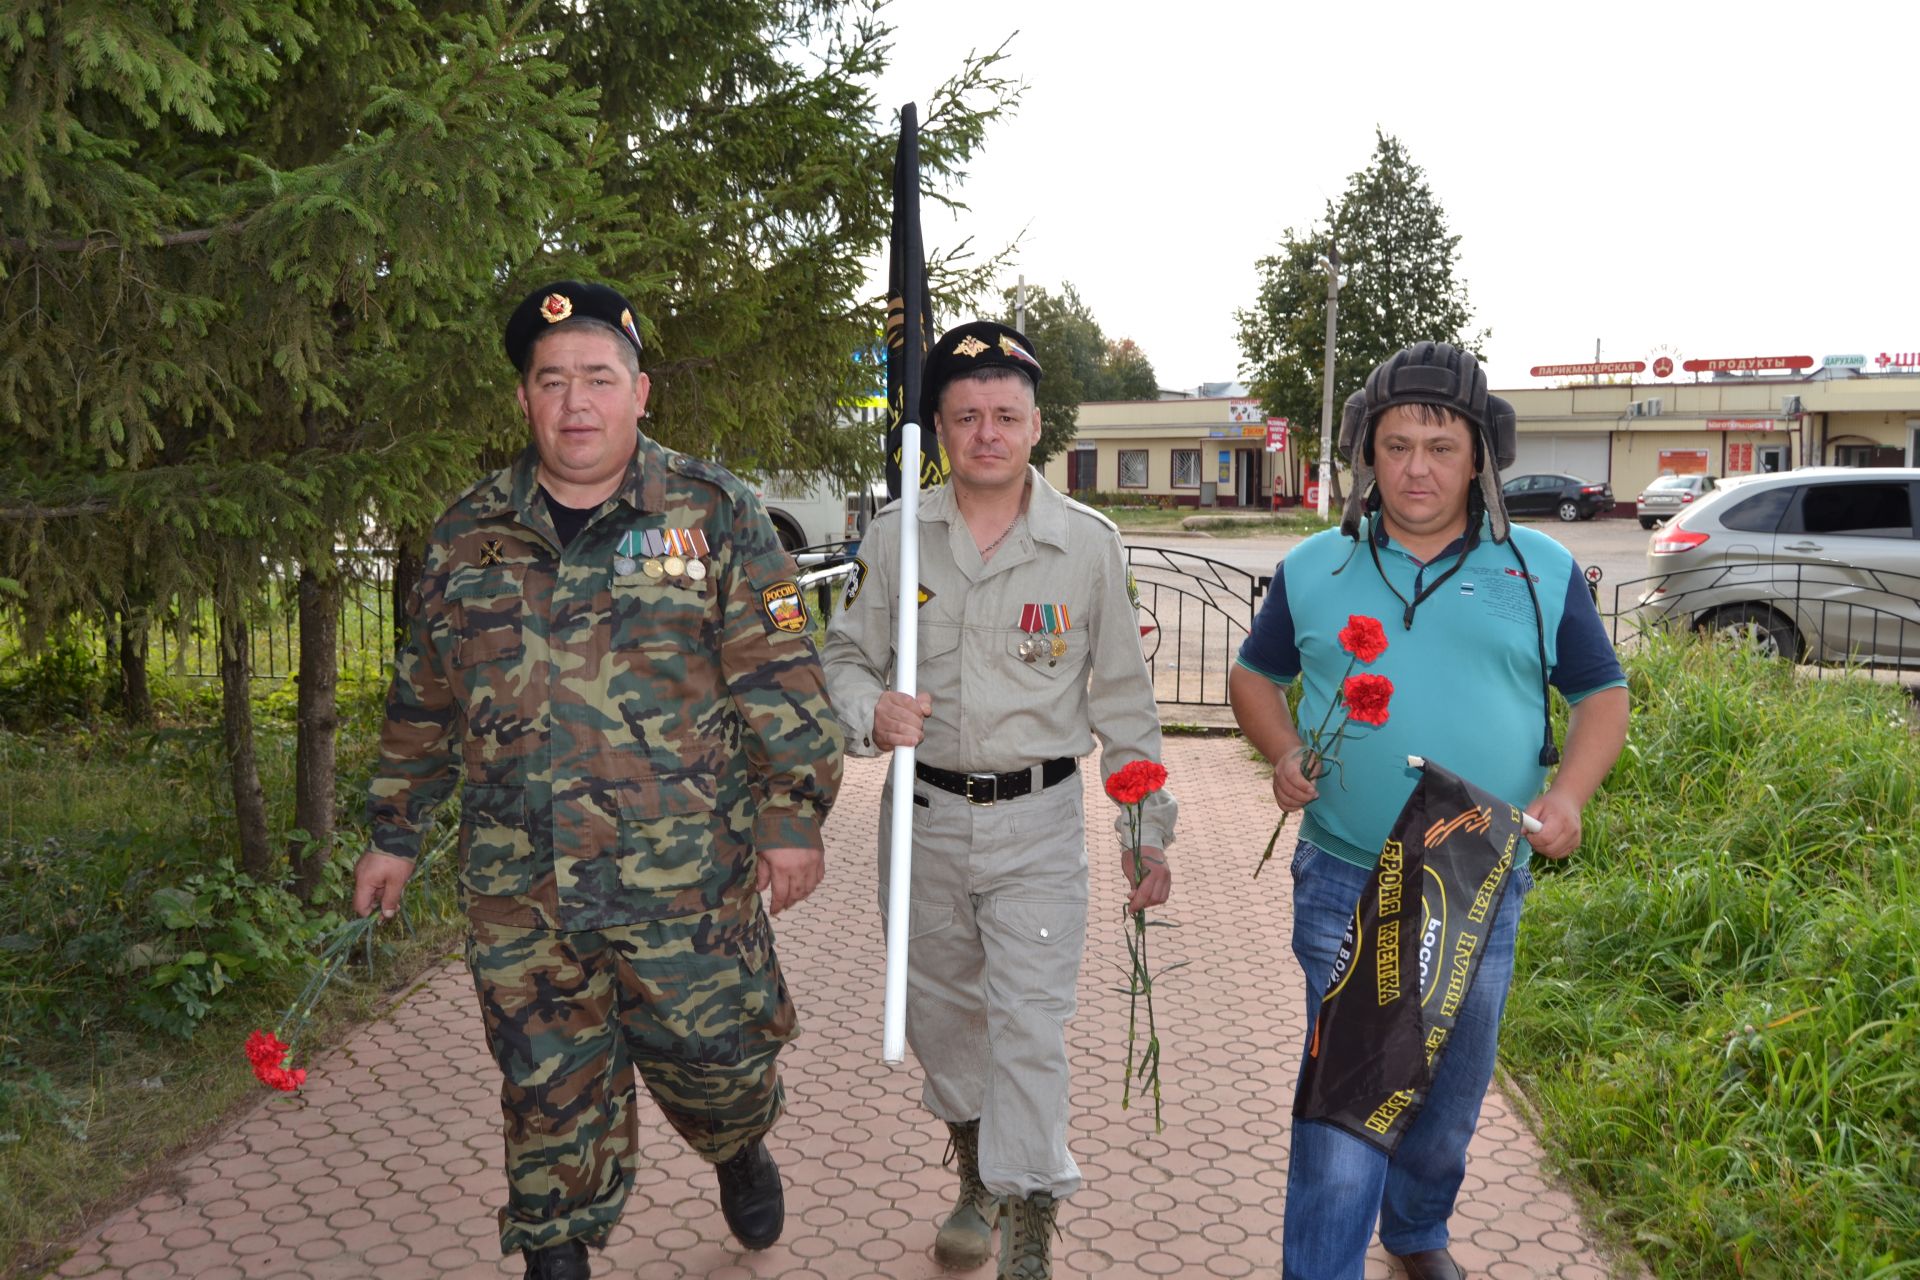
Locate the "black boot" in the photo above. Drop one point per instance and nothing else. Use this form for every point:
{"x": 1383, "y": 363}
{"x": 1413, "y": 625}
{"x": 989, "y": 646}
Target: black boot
{"x": 751, "y": 1199}
{"x": 565, "y": 1261}
{"x": 1430, "y": 1264}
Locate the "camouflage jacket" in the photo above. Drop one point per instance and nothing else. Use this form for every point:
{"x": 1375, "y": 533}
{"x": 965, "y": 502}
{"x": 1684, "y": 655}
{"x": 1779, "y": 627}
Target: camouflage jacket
{"x": 633, "y": 717}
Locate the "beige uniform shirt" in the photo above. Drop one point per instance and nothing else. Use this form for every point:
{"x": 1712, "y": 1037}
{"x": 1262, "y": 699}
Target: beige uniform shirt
{"x": 992, "y": 711}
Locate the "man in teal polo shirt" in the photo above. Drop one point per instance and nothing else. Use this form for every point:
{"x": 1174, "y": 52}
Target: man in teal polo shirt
{"x": 1480, "y": 618}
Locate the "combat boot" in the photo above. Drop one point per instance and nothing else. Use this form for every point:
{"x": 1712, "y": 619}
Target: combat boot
{"x": 565, "y": 1261}
{"x": 966, "y": 1237}
{"x": 1026, "y": 1237}
{"x": 751, "y": 1198}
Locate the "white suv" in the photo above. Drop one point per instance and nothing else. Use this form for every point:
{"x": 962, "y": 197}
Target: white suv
{"x": 1821, "y": 563}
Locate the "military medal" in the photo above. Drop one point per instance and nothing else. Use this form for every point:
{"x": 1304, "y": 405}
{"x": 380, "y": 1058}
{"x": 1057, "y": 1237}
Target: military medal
{"x": 624, "y": 560}
{"x": 696, "y": 569}
{"x": 1046, "y": 626}
{"x": 652, "y": 568}
{"x": 674, "y": 566}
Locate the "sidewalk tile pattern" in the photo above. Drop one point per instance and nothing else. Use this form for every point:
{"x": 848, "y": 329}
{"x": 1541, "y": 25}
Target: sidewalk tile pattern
{"x": 388, "y": 1163}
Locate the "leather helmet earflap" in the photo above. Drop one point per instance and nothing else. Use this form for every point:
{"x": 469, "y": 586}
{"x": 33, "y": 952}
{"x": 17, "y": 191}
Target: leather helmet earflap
{"x": 1503, "y": 428}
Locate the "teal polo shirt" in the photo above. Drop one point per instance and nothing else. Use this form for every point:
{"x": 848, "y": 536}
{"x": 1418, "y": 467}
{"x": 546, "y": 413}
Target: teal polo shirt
{"x": 1467, "y": 687}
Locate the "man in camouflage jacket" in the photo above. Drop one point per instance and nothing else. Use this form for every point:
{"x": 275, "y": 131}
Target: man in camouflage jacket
{"x": 610, "y": 658}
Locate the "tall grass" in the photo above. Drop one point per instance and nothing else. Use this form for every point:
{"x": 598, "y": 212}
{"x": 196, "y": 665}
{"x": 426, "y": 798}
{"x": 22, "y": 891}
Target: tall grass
{"x": 1717, "y": 1010}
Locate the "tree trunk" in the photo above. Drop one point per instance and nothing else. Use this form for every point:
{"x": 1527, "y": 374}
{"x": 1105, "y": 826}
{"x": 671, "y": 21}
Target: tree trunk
{"x": 409, "y": 562}
{"x": 136, "y": 699}
{"x": 236, "y": 714}
{"x": 314, "y": 773}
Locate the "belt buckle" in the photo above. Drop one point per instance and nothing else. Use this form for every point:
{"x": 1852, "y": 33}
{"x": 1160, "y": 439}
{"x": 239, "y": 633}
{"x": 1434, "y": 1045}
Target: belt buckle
{"x": 992, "y": 784}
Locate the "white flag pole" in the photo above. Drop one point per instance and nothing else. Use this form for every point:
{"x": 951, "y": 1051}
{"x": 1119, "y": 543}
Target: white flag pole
{"x": 906, "y": 651}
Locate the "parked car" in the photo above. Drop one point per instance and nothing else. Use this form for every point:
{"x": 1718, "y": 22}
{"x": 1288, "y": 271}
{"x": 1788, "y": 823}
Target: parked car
{"x": 1820, "y": 564}
{"x": 1668, "y": 496}
{"x": 1568, "y": 497}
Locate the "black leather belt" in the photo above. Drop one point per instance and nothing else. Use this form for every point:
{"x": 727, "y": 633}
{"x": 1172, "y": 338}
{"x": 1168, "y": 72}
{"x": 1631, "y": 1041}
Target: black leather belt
{"x": 986, "y": 788}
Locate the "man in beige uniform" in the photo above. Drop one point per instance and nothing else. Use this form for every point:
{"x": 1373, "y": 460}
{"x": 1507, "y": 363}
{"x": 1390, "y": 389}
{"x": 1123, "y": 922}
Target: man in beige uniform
{"x": 1029, "y": 648}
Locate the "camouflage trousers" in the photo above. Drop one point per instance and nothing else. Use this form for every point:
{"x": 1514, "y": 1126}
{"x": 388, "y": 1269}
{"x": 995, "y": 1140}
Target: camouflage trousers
{"x": 695, "y": 1004}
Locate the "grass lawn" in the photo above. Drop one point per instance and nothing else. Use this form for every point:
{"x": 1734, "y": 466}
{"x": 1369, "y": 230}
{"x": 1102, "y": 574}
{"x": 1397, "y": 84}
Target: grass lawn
{"x": 1221, "y": 524}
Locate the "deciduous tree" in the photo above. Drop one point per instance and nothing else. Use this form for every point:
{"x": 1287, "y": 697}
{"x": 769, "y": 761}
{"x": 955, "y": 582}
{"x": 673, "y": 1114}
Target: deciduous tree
{"x": 1081, "y": 363}
{"x": 1397, "y": 263}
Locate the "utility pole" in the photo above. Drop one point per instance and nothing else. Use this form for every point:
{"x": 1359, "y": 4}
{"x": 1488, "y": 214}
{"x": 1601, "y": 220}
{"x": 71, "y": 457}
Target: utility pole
{"x": 1020, "y": 305}
{"x": 1326, "y": 380}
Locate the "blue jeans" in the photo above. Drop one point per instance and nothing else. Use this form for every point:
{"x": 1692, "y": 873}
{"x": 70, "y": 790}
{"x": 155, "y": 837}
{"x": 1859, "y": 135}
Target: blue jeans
{"x": 1338, "y": 1185}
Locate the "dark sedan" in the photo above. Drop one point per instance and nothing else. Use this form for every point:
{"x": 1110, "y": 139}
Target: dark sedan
{"x": 1568, "y": 497}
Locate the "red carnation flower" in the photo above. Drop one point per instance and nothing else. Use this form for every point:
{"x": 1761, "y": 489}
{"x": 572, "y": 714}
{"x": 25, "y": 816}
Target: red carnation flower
{"x": 1367, "y": 698}
{"x": 269, "y": 1056}
{"x": 1363, "y": 637}
{"x": 264, "y": 1049}
{"x": 1133, "y": 783}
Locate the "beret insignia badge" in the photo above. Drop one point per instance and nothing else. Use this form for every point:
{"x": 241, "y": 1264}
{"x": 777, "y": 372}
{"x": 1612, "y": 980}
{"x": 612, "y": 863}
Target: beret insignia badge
{"x": 970, "y": 346}
{"x": 556, "y": 307}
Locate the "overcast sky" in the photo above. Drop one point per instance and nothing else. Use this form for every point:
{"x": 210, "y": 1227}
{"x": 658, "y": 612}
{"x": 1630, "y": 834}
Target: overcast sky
{"x": 1712, "y": 179}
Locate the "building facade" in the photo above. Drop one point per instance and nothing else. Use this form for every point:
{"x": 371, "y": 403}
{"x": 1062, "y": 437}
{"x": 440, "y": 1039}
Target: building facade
{"x": 1216, "y": 451}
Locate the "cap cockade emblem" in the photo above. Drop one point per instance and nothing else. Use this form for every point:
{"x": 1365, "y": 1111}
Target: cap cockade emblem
{"x": 556, "y": 307}
{"x": 969, "y": 346}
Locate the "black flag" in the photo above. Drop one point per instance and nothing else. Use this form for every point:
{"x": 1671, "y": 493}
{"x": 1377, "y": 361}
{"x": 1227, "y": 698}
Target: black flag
{"x": 1409, "y": 959}
{"x": 909, "y": 313}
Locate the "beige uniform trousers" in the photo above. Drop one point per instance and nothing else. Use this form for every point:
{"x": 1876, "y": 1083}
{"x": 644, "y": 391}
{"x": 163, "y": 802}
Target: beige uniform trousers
{"x": 999, "y": 921}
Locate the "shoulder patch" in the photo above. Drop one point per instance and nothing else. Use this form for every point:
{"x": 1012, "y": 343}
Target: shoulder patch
{"x": 855, "y": 580}
{"x": 786, "y": 608}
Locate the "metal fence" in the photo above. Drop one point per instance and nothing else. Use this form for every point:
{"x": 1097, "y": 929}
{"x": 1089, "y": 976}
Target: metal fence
{"x": 187, "y": 644}
{"x": 1825, "y": 614}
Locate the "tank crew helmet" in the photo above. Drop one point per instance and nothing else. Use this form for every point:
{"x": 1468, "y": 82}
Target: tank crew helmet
{"x": 1442, "y": 375}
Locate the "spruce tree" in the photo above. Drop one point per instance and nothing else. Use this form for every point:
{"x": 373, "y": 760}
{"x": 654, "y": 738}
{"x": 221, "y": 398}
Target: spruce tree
{"x": 255, "y": 255}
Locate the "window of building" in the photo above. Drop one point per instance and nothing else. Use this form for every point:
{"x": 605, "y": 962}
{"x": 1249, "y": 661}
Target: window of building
{"x": 1186, "y": 468}
{"x": 1133, "y": 468}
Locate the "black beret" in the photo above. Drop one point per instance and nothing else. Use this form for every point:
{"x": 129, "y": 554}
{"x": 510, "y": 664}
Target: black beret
{"x": 563, "y": 300}
{"x": 980, "y": 344}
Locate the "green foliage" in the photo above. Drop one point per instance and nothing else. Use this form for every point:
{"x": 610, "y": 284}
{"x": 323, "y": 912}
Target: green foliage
{"x": 1080, "y": 361}
{"x": 215, "y": 929}
{"x": 1719, "y": 995}
{"x": 62, "y": 682}
{"x": 1397, "y": 263}
{"x": 1127, "y": 499}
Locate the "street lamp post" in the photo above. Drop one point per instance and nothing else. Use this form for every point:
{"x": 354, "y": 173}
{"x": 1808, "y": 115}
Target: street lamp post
{"x": 1332, "y": 261}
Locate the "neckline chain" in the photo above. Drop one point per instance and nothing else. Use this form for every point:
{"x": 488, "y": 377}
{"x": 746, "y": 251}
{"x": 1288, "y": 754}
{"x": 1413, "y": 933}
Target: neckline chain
{"x": 994, "y": 546}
